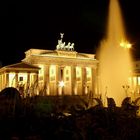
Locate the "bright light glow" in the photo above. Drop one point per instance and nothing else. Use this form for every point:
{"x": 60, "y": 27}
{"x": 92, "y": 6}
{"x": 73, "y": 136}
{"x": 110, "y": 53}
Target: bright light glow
{"x": 125, "y": 44}
{"x": 114, "y": 57}
{"x": 61, "y": 84}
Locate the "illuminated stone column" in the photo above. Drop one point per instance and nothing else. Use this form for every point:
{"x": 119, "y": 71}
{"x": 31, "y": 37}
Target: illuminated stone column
{"x": 0, "y": 82}
{"x": 73, "y": 80}
{"x": 62, "y": 78}
{"x": 79, "y": 80}
{"x": 57, "y": 73}
{"x": 47, "y": 79}
{"x": 7, "y": 79}
{"x": 28, "y": 79}
{"x": 2, "y": 76}
{"x": 53, "y": 71}
{"x": 3, "y": 80}
{"x": 93, "y": 80}
{"x": 16, "y": 80}
{"x": 83, "y": 80}
{"x": 35, "y": 90}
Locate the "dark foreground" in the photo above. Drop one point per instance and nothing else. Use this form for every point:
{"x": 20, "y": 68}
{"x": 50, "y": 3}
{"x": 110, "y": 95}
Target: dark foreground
{"x": 48, "y": 118}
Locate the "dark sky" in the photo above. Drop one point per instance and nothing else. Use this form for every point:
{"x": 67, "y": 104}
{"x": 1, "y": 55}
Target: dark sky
{"x": 37, "y": 24}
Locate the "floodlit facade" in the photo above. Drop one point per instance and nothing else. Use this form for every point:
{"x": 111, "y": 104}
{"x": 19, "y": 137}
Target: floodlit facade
{"x": 21, "y": 76}
{"x": 135, "y": 80}
{"x": 62, "y": 71}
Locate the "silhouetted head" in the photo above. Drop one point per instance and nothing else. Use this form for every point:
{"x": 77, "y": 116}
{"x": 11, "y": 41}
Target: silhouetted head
{"x": 10, "y": 93}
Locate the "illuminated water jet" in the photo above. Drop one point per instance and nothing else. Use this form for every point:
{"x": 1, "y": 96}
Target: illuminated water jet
{"x": 114, "y": 58}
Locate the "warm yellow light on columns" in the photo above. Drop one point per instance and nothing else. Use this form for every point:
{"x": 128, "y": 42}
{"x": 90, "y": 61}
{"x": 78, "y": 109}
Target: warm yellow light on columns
{"x": 61, "y": 85}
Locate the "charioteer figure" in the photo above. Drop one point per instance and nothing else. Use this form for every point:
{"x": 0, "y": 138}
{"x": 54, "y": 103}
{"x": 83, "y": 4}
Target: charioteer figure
{"x": 61, "y": 45}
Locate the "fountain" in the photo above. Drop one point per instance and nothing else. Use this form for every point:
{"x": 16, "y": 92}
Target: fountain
{"x": 114, "y": 58}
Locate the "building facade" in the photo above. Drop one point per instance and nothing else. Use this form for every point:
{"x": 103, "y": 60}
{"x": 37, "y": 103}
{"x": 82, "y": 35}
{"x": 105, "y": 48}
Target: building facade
{"x": 135, "y": 80}
{"x": 20, "y": 75}
{"x": 62, "y": 71}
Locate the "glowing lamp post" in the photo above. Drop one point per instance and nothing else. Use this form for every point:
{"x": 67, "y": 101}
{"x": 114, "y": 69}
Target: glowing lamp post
{"x": 61, "y": 85}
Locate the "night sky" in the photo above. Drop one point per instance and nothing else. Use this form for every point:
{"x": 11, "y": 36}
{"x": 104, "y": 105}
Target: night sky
{"x": 37, "y": 24}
